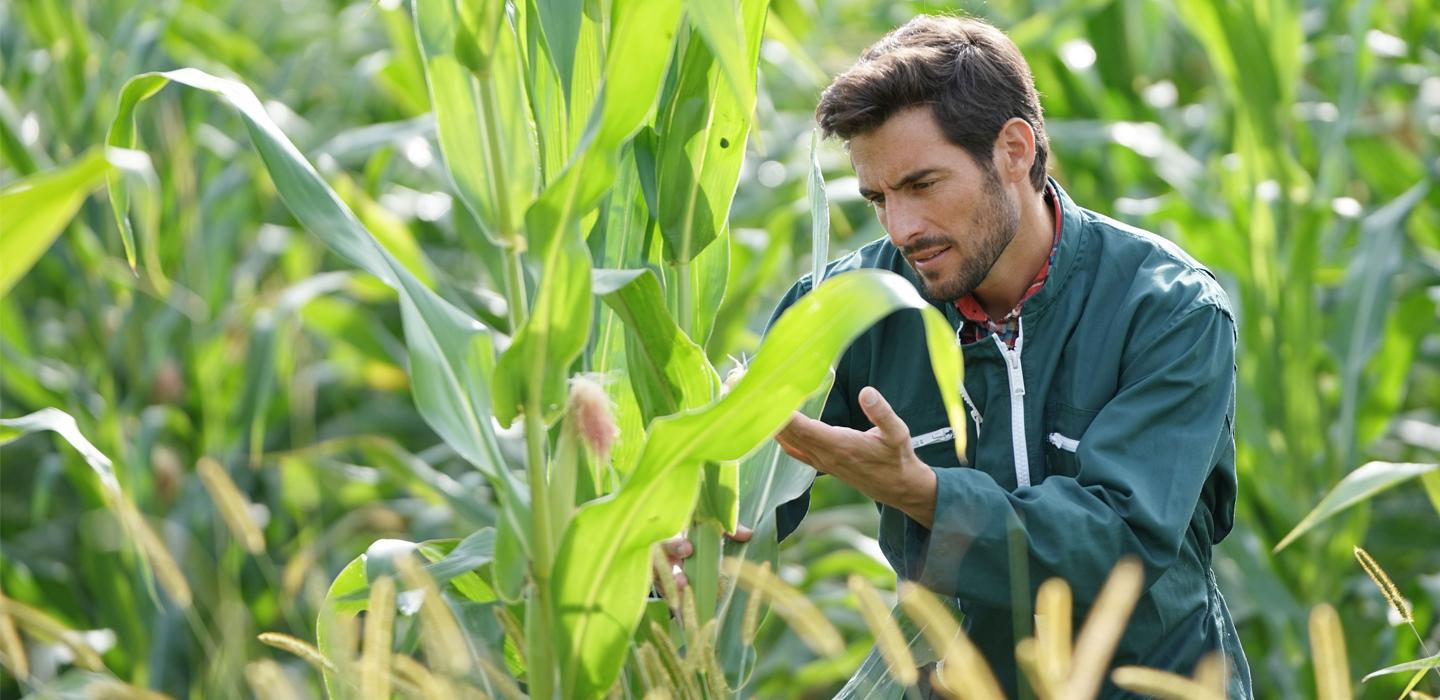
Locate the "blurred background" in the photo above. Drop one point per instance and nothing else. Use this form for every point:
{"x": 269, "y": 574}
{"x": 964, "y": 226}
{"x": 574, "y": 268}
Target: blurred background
{"x": 1294, "y": 147}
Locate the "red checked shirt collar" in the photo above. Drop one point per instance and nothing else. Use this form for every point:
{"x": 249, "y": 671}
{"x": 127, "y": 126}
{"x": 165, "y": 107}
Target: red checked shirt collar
{"x": 978, "y": 324}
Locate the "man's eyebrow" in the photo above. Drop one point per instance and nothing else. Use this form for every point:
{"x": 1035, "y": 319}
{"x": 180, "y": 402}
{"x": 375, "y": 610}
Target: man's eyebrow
{"x": 909, "y": 178}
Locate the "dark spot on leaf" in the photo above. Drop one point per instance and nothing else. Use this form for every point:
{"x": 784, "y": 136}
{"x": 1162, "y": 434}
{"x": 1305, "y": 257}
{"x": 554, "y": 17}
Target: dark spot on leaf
{"x": 724, "y": 142}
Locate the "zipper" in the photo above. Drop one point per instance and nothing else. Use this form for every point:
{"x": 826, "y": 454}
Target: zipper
{"x": 965, "y": 394}
{"x": 1068, "y": 444}
{"x": 1018, "y": 443}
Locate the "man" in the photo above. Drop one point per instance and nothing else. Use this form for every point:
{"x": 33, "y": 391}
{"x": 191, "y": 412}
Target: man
{"x": 1099, "y": 365}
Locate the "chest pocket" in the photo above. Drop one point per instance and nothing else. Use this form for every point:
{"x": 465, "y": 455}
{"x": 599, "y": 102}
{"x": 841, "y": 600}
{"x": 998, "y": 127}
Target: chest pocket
{"x": 1065, "y": 428}
{"x": 931, "y": 436}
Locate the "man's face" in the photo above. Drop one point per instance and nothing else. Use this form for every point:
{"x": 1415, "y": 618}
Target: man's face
{"x": 950, "y": 217}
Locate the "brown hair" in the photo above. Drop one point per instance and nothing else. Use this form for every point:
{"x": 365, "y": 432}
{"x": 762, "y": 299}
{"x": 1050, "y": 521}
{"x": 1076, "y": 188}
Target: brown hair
{"x": 970, "y": 73}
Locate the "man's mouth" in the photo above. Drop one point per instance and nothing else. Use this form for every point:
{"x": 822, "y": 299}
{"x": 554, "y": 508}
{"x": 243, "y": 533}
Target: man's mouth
{"x": 928, "y": 258}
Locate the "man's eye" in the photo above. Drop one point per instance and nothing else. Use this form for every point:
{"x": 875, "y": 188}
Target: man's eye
{"x": 922, "y": 185}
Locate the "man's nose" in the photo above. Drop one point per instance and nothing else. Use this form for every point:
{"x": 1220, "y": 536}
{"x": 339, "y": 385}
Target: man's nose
{"x": 903, "y": 223}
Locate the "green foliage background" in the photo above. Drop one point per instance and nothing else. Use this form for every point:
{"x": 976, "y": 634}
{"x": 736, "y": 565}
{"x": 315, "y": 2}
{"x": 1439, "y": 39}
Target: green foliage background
{"x": 1292, "y": 146}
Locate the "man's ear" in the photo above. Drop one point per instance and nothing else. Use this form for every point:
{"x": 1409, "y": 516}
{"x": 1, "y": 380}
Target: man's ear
{"x": 1014, "y": 150}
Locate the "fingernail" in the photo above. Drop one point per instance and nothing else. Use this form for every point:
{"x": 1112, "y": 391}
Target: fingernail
{"x": 868, "y": 395}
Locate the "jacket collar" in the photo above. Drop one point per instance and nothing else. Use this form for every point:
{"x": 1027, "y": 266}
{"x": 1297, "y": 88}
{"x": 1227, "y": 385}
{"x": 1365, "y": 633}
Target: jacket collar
{"x": 1072, "y": 241}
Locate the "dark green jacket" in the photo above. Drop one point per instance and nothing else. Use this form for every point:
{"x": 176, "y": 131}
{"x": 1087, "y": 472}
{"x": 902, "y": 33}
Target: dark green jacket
{"x": 1107, "y": 432}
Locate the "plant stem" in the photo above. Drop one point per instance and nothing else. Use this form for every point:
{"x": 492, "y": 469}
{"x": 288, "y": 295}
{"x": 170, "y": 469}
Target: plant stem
{"x": 685, "y": 305}
{"x": 516, "y": 303}
{"x": 540, "y": 657}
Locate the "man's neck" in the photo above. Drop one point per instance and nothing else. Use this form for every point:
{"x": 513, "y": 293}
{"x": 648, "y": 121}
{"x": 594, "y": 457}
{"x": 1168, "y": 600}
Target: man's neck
{"x": 1021, "y": 261}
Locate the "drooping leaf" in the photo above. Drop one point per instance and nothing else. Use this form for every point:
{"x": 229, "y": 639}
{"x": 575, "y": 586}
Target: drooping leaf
{"x": 37, "y": 208}
{"x": 668, "y": 371}
{"x": 1363, "y": 483}
{"x": 602, "y": 569}
{"x": 449, "y": 352}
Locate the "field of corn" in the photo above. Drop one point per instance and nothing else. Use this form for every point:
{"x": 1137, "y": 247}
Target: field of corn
{"x": 366, "y": 348}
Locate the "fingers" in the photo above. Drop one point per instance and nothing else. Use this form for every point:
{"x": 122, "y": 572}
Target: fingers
{"x": 878, "y": 410}
{"x": 677, "y": 549}
{"x": 741, "y": 534}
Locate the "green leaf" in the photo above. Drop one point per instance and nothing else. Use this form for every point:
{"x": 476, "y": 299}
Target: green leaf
{"x": 62, "y": 424}
{"x": 537, "y": 362}
{"x": 1424, "y": 664}
{"x": 702, "y": 144}
{"x": 346, "y": 598}
{"x": 1359, "y": 485}
{"x": 37, "y": 208}
{"x": 560, "y": 24}
{"x": 449, "y": 352}
{"x": 602, "y": 569}
{"x": 1365, "y": 301}
{"x": 819, "y": 212}
{"x": 721, "y": 23}
{"x": 719, "y": 501}
{"x": 668, "y": 371}
{"x": 1431, "y": 482}
{"x": 482, "y": 118}
{"x": 768, "y": 478}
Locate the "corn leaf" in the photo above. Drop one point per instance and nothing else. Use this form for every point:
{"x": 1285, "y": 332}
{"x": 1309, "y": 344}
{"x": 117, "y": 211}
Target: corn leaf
{"x": 702, "y": 143}
{"x": 449, "y": 351}
{"x": 1359, "y": 485}
{"x": 481, "y": 113}
{"x": 668, "y": 372}
{"x": 1424, "y": 664}
{"x": 37, "y": 208}
{"x": 602, "y": 568}
{"x": 559, "y": 325}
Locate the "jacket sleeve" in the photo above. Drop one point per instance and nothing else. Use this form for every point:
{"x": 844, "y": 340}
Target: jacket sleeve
{"x": 1143, "y": 463}
{"x": 835, "y": 412}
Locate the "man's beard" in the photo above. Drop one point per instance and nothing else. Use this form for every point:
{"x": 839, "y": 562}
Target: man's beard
{"x": 991, "y": 228}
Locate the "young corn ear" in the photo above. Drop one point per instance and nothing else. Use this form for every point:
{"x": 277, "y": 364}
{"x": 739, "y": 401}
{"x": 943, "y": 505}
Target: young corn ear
{"x": 1102, "y": 630}
{"x": 1327, "y": 654}
{"x": 962, "y": 670}
{"x": 888, "y": 637}
{"x": 1387, "y": 587}
{"x": 379, "y": 638}
{"x": 593, "y": 415}
{"x": 233, "y": 506}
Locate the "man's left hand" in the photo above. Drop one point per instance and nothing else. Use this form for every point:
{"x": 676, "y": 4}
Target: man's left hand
{"x": 879, "y": 462}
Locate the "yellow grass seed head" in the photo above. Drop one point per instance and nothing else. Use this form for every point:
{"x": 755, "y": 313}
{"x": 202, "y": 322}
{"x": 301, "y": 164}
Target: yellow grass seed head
{"x": 379, "y": 638}
{"x": 888, "y": 637}
{"x": 1387, "y": 587}
{"x": 233, "y": 506}
{"x": 1162, "y": 685}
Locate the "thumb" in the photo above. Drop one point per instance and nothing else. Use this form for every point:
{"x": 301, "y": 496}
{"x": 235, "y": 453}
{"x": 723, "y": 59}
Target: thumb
{"x": 878, "y": 410}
